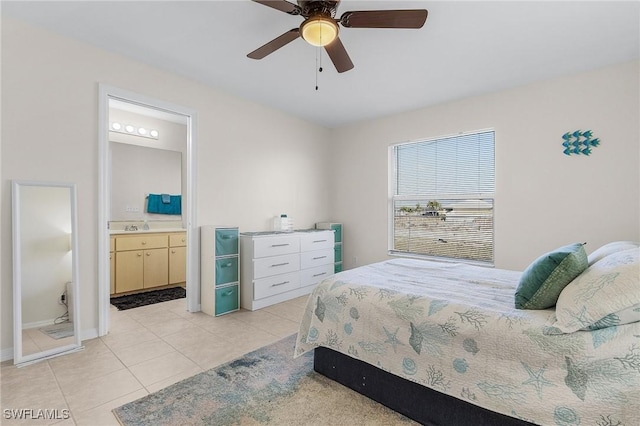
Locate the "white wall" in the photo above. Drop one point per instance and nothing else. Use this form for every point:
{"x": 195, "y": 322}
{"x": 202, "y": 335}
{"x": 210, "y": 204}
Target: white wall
{"x": 253, "y": 162}
{"x": 544, "y": 198}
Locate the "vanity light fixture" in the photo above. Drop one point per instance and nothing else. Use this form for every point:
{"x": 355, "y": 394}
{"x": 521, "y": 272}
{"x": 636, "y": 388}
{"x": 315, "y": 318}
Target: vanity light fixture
{"x": 132, "y": 130}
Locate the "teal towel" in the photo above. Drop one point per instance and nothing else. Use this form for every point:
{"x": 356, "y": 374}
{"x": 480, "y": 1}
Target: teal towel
{"x": 156, "y": 204}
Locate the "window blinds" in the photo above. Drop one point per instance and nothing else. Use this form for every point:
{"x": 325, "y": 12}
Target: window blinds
{"x": 442, "y": 197}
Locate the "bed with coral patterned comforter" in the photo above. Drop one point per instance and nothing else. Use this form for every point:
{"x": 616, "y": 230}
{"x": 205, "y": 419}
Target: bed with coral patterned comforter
{"x": 454, "y": 328}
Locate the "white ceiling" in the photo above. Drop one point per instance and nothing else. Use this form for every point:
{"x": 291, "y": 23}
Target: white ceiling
{"x": 464, "y": 49}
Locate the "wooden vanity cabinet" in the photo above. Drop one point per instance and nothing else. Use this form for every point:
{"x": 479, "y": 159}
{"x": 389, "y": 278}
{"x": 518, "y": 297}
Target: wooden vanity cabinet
{"x": 177, "y": 258}
{"x": 112, "y": 264}
{"x": 145, "y": 261}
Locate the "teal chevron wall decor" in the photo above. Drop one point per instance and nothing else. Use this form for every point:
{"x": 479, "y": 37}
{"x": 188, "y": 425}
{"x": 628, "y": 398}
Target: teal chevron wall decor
{"x": 579, "y": 142}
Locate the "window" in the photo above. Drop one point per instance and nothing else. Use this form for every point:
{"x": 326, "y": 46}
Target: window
{"x": 441, "y": 197}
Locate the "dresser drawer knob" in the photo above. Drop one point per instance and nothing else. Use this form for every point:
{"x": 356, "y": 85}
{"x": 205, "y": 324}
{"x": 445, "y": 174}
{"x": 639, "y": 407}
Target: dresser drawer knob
{"x": 278, "y": 284}
{"x": 319, "y": 275}
{"x": 280, "y": 245}
{"x": 320, "y": 241}
{"x": 279, "y": 264}
{"x": 319, "y": 257}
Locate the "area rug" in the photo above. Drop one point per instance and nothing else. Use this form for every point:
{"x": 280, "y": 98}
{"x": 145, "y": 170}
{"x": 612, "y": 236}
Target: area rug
{"x": 58, "y": 331}
{"x": 266, "y": 386}
{"x": 148, "y": 298}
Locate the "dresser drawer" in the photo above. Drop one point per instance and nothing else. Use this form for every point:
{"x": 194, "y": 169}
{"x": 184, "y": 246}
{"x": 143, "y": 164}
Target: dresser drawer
{"x": 226, "y": 242}
{"x": 311, "y": 259}
{"x": 178, "y": 240}
{"x": 316, "y": 240}
{"x": 142, "y": 242}
{"x": 275, "y": 246}
{"x": 269, "y": 286}
{"x": 267, "y": 266}
{"x": 313, "y": 276}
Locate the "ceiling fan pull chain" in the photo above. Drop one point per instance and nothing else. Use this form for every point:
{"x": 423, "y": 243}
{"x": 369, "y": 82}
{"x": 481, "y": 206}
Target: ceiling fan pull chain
{"x": 318, "y": 67}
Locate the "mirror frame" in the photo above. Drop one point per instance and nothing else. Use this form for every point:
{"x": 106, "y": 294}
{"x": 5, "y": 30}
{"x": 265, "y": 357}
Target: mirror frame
{"x": 18, "y": 357}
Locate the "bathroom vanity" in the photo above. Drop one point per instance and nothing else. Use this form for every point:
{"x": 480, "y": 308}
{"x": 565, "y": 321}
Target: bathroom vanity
{"x": 142, "y": 260}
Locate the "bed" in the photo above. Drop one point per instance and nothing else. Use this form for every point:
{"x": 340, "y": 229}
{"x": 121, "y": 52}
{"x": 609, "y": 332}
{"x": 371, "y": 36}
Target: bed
{"x": 443, "y": 343}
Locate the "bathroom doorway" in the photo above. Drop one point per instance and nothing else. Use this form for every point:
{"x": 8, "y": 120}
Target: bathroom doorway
{"x": 118, "y": 103}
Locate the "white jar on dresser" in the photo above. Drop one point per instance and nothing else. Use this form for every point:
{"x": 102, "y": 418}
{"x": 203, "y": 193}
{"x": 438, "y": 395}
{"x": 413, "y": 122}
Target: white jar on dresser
{"x": 278, "y": 266}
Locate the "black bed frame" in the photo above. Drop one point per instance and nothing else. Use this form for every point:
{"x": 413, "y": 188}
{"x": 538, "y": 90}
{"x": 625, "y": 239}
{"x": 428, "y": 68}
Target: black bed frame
{"x": 419, "y": 403}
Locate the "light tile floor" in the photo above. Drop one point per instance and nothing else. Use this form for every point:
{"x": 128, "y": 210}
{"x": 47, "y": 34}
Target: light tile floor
{"x": 147, "y": 349}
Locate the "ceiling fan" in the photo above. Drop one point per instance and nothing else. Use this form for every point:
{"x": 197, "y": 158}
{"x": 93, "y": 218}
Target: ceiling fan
{"x": 320, "y": 28}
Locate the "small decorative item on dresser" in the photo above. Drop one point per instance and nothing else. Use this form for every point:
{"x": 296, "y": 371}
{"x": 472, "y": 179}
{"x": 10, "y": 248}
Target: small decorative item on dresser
{"x": 219, "y": 270}
{"x": 337, "y": 229}
{"x": 574, "y": 145}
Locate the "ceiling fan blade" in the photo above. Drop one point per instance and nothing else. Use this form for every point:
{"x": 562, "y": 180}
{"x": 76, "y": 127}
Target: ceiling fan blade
{"x": 281, "y": 5}
{"x": 275, "y": 44}
{"x": 339, "y": 55}
{"x": 411, "y": 18}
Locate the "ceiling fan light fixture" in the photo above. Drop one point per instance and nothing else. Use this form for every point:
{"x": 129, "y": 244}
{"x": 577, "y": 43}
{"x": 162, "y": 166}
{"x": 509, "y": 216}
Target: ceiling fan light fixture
{"x": 319, "y": 30}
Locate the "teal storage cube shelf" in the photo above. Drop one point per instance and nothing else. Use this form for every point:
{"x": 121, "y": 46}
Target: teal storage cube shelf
{"x": 219, "y": 269}
{"x": 337, "y": 236}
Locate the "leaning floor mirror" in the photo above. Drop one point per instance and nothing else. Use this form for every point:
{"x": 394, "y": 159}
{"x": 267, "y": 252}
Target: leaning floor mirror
{"x": 45, "y": 271}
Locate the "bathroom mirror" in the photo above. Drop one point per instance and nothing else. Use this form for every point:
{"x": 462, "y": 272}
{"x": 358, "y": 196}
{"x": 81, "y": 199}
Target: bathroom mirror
{"x": 45, "y": 270}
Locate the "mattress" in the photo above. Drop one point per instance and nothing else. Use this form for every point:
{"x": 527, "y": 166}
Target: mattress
{"x": 453, "y": 328}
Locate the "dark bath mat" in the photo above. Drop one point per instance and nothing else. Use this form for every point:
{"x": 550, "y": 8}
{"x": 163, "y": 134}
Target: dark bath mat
{"x": 148, "y": 298}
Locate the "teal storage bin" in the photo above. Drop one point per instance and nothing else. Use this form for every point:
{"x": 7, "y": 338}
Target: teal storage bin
{"x": 226, "y": 299}
{"x": 226, "y": 270}
{"x": 337, "y": 267}
{"x": 338, "y": 252}
{"x": 337, "y": 227}
{"x": 226, "y": 242}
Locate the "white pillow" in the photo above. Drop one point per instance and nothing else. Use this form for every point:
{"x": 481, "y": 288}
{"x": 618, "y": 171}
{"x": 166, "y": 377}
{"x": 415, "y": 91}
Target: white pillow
{"x": 610, "y": 286}
{"x": 607, "y": 249}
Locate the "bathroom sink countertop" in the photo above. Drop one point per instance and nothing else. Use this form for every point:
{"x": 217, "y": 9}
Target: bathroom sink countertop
{"x": 145, "y": 231}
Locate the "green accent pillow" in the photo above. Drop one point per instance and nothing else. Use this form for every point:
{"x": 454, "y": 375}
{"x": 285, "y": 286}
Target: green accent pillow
{"x": 543, "y": 280}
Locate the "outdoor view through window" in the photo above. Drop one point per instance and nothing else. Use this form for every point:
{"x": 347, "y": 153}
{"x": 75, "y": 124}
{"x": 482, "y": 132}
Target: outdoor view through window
{"x": 442, "y": 198}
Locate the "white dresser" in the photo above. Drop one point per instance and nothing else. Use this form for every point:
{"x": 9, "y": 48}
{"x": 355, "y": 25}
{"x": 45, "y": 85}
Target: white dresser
{"x": 278, "y": 266}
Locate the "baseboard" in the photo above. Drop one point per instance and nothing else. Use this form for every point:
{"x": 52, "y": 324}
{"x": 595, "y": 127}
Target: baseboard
{"x": 89, "y": 334}
{"x": 6, "y": 354}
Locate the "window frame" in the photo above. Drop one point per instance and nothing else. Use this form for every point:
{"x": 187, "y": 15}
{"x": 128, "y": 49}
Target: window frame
{"x": 391, "y": 198}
